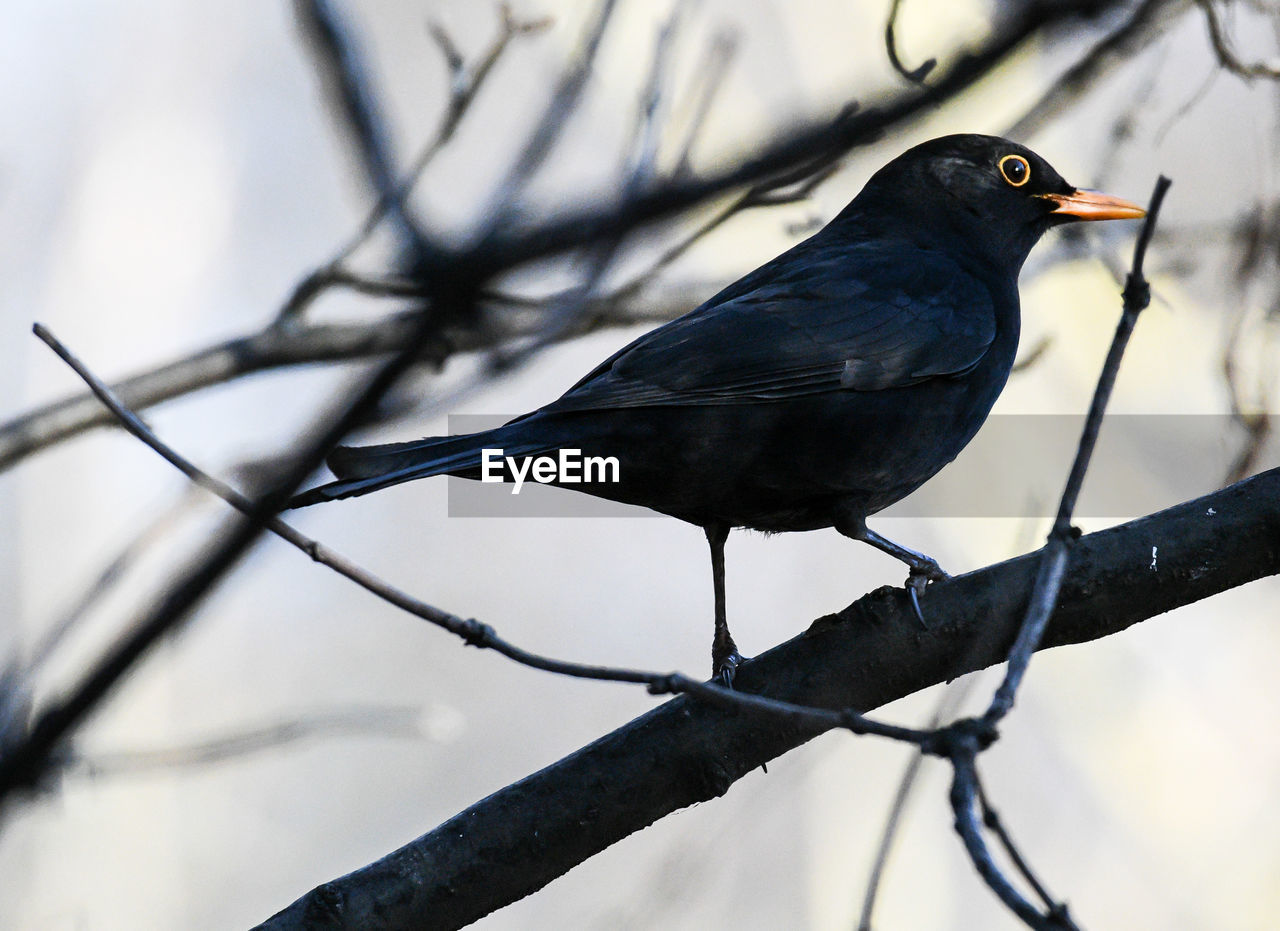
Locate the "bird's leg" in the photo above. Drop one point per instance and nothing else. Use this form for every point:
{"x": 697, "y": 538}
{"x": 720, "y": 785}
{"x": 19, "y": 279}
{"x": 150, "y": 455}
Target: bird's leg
{"x": 724, "y": 652}
{"x": 924, "y": 569}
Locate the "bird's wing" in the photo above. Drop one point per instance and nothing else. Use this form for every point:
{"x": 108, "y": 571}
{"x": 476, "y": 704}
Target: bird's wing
{"x": 842, "y": 319}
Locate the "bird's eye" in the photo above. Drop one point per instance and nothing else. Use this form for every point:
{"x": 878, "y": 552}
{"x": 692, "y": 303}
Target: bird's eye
{"x": 1015, "y": 170}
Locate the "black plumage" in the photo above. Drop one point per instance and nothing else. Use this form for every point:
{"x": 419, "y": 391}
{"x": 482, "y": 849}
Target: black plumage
{"x": 820, "y": 388}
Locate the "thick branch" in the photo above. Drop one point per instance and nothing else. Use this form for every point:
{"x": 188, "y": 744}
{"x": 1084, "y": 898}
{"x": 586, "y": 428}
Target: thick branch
{"x": 520, "y": 838}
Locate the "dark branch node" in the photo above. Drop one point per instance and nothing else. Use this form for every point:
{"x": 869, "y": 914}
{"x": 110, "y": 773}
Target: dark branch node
{"x": 476, "y": 634}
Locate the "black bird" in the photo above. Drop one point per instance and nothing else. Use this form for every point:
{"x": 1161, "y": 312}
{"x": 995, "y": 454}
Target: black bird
{"x": 822, "y": 387}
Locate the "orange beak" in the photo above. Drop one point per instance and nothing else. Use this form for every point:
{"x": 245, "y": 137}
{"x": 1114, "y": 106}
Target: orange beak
{"x": 1091, "y": 205}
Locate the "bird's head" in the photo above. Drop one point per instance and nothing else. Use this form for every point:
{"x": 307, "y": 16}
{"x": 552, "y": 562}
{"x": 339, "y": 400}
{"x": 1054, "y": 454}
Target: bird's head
{"x": 981, "y": 195}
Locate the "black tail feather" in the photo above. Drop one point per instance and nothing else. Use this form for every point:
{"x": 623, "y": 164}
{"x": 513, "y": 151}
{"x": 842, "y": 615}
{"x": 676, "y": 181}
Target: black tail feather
{"x": 362, "y": 469}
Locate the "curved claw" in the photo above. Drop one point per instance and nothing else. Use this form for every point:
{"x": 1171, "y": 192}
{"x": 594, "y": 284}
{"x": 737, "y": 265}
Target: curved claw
{"x": 917, "y": 580}
{"x": 914, "y": 594}
{"x": 726, "y": 668}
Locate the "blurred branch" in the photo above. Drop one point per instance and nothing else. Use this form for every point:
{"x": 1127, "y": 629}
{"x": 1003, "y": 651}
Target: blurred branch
{"x": 799, "y": 155}
{"x": 821, "y": 140}
{"x": 551, "y": 126}
{"x": 710, "y": 75}
{"x": 452, "y": 279}
{"x": 1150, "y": 20}
{"x": 341, "y": 67}
{"x": 1258, "y": 236}
{"x": 915, "y": 75}
{"x": 952, "y": 698}
{"x": 151, "y": 533}
{"x": 689, "y": 751}
{"x": 274, "y": 347}
{"x": 1030, "y": 358}
{"x": 1227, "y": 57}
{"x": 403, "y": 721}
{"x": 1256, "y": 424}
{"x": 465, "y": 82}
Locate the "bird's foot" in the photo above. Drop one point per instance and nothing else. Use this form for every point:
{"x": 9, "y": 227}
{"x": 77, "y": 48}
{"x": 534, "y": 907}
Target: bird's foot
{"x": 923, "y": 571}
{"x": 724, "y": 668}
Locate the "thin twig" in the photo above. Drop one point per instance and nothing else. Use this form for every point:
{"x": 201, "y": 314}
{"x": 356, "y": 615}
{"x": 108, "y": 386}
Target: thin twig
{"x": 1227, "y": 57}
{"x": 914, "y": 75}
{"x": 552, "y": 124}
{"x": 404, "y": 721}
{"x": 105, "y": 579}
{"x": 342, "y": 69}
{"x": 1137, "y": 294}
{"x": 711, "y": 72}
{"x": 964, "y": 792}
{"x": 952, "y": 698}
{"x": 1148, "y": 21}
{"x": 472, "y": 632}
{"x": 992, "y": 822}
{"x": 465, "y": 83}
{"x": 963, "y": 741}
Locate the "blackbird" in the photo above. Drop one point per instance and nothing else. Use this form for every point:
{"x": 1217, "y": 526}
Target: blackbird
{"x": 820, "y": 388}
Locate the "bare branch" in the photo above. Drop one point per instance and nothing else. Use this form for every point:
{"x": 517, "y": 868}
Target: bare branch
{"x": 687, "y": 752}
{"x": 1248, "y": 71}
{"x": 403, "y": 721}
{"x": 274, "y": 347}
{"x": 342, "y": 69}
{"x": 814, "y": 145}
{"x": 552, "y": 124}
{"x": 1149, "y": 21}
{"x": 915, "y": 75}
{"x": 465, "y": 83}
{"x": 114, "y": 570}
{"x": 1137, "y": 295}
{"x": 949, "y": 703}
{"x": 711, "y": 73}
{"x": 1029, "y": 359}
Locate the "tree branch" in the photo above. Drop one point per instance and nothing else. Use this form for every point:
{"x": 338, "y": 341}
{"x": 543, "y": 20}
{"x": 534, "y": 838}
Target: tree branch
{"x": 801, "y": 154}
{"x": 1148, "y": 22}
{"x": 521, "y": 837}
{"x": 1227, "y": 57}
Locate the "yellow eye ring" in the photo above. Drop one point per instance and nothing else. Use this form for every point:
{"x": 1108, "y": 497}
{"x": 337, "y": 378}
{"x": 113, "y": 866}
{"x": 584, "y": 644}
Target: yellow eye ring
{"x": 1016, "y": 170}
